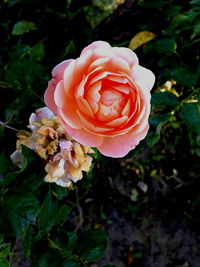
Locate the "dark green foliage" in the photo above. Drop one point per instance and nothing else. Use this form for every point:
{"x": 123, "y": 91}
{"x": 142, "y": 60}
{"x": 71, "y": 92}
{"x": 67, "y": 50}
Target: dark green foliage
{"x": 91, "y": 245}
{"x": 57, "y": 226}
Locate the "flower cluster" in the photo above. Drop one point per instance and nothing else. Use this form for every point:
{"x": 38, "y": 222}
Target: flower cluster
{"x": 65, "y": 158}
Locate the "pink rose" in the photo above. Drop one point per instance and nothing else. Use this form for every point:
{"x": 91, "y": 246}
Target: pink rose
{"x": 102, "y": 98}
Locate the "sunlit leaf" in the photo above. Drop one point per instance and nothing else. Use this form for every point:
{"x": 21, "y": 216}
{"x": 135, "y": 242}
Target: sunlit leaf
{"x": 140, "y": 39}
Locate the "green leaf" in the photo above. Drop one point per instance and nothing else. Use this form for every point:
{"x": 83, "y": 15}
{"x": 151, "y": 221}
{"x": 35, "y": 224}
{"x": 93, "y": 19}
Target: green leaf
{"x": 62, "y": 215}
{"x": 19, "y": 51}
{"x": 50, "y": 259}
{"x": 28, "y": 240}
{"x": 165, "y": 46}
{"x": 60, "y": 192}
{"x": 22, "y": 27}
{"x": 4, "y": 262}
{"x": 91, "y": 245}
{"x": 182, "y": 76}
{"x": 165, "y": 99}
{"x": 4, "y": 248}
{"x": 23, "y": 208}
{"x": 68, "y": 249}
{"x": 190, "y": 114}
{"x": 68, "y": 263}
{"x": 156, "y": 123}
{"x": 38, "y": 52}
{"x": 48, "y": 211}
{"x": 4, "y": 163}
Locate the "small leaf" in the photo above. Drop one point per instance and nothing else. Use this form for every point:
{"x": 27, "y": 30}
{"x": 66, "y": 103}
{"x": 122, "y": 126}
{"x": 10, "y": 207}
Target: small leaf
{"x": 38, "y": 52}
{"x": 68, "y": 249}
{"x": 50, "y": 259}
{"x": 22, "y": 27}
{"x": 182, "y": 76}
{"x": 68, "y": 263}
{"x": 47, "y": 214}
{"x": 4, "y": 163}
{"x": 91, "y": 245}
{"x": 165, "y": 46}
{"x": 4, "y": 262}
{"x": 23, "y": 208}
{"x": 156, "y": 123}
{"x": 62, "y": 215}
{"x": 164, "y": 99}
{"x": 140, "y": 39}
{"x": 190, "y": 113}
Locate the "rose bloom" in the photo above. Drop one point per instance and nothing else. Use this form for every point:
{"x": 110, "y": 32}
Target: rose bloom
{"x": 102, "y": 98}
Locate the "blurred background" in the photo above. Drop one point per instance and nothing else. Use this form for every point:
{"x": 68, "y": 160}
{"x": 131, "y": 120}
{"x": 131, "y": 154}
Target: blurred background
{"x": 142, "y": 210}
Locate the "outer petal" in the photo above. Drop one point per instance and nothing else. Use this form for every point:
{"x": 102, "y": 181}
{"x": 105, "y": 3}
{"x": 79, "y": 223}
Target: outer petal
{"x": 143, "y": 77}
{"x": 84, "y": 137}
{"x": 97, "y": 44}
{"x": 58, "y": 70}
{"x": 127, "y": 54}
{"x": 49, "y": 95}
{"x": 119, "y": 146}
{"x": 57, "y": 74}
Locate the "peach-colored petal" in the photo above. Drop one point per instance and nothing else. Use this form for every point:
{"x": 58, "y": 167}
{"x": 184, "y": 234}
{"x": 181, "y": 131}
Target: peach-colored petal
{"x": 109, "y": 96}
{"x": 93, "y": 96}
{"x": 58, "y": 70}
{"x": 84, "y": 137}
{"x": 49, "y": 96}
{"x": 117, "y": 78}
{"x": 127, "y": 108}
{"x": 127, "y": 54}
{"x": 119, "y": 146}
{"x": 117, "y": 122}
{"x": 69, "y": 115}
{"x": 84, "y": 107}
{"x": 96, "y": 44}
{"x": 93, "y": 126}
{"x": 122, "y": 88}
{"x": 106, "y": 113}
{"x": 117, "y": 64}
{"x": 75, "y": 72}
{"x": 59, "y": 95}
{"x": 100, "y": 62}
{"x": 143, "y": 77}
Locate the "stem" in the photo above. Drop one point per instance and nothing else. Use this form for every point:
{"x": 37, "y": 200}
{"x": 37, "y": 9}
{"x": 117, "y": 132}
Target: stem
{"x": 4, "y": 124}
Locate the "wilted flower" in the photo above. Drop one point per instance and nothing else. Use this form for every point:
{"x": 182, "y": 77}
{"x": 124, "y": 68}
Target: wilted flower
{"x": 65, "y": 158}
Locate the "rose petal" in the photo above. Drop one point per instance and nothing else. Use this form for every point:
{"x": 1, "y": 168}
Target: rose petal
{"x": 126, "y": 54}
{"x": 93, "y": 96}
{"x": 59, "y": 95}
{"x": 119, "y": 146}
{"x": 94, "y": 45}
{"x": 69, "y": 115}
{"x": 49, "y": 96}
{"x": 143, "y": 77}
{"x": 84, "y": 137}
{"x": 117, "y": 122}
{"x": 58, "y": 70}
